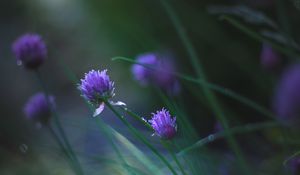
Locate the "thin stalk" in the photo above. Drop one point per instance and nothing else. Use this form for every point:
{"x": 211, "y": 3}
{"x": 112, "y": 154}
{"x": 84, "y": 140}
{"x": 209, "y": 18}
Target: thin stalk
{"x": 210, "y": 96}
{"x": 236, "y": 130}
{"x": 62, "y": 147}
{"x": 225, "y": 91}
{"x": 59, "y": 126}
{"x": 114, "y": 146}
{"x": 137, "y": 117}
{"x": 140, "y": 137}
{"x": 166, "y": 144}
{"x": 258, "y": 37}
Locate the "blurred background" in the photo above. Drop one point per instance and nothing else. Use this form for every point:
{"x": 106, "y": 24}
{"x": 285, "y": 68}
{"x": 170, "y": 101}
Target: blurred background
{"x": 85, "y": 35}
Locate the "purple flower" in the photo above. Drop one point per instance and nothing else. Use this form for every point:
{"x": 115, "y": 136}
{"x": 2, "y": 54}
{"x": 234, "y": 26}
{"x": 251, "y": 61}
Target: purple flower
{"x": 294, "y": 165}
{"x": 156, "y": 70}
{"x": 287, "y": 97}
{"x": 270, "y": 59}
{"x": 30, "y": 50}
{"x": 96, "y": 86}
{"x": 163, "y": 124}
{"x": 38, "y": 109}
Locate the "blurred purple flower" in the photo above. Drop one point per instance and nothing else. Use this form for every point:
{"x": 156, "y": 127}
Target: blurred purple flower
{"x": 286, "y": 102}
{"x": 163, "y": 124}
{"x": 30, "y": 50}
{"x": 218, "y": 127}
{"x": 97, "y": 87}
{"x": 270, "y": 59}
{"x": 38, "y": 109}
{"x": 294, "y": 165}
{"x": 156, "y": 70}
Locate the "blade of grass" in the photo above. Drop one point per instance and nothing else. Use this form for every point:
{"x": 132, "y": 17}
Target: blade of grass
{"x": 236, "y": 130}
{"x": 258, "y": 37}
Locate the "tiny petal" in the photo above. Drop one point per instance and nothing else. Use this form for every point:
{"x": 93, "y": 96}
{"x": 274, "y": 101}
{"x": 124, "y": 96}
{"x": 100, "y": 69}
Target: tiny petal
{"x": 118, "y": 103}
{"x": 99, "y": 110}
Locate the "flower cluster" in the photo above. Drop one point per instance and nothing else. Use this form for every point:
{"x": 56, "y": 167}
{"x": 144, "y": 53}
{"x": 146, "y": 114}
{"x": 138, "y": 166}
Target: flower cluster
{"x": 163, "y": 124}
{"x": 30, "y": 51}
{"x": 157, "y": 70}
{"x": 96, "y": 87}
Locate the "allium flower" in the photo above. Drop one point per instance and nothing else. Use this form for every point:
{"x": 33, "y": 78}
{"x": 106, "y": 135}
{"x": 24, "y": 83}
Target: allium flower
{"x": 287, "y": 97}
{"x": 30, "y": 50}
{"x": 270, "y": 59}
{"x": 97, "y": 87}
{"x": 294, "y": 165}
{"x": 163, "y": 124}
{"x": 156, "y": 70}
{"x": 38, "y": 109}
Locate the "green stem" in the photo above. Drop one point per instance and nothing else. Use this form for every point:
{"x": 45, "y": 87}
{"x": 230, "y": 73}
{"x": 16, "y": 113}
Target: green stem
{"x": 167, "y": 146}
{"x": 210, "y": 96}
{"x": 59, "y": 126}
{"x": 62, "y": 147}
{"x": 236, "y": 130}
{"x": 114, "y": 146}
{"x": 140, "y": 137}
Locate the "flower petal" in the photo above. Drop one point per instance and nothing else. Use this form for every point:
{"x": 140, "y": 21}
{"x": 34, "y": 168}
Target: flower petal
{"x": 99, "y": 110}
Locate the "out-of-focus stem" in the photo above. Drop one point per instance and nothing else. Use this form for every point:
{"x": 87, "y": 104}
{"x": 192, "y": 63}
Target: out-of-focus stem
{"x": 59, "y": 126}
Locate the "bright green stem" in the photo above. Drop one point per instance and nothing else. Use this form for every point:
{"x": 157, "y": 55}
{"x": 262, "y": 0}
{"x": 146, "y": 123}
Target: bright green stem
{"x": 215, "y": 106}
{"x": 59, "y": 126}
{"x": 139, "y": 136}
{"x": 166, "y": 144}
{"x": 236, "y": 130}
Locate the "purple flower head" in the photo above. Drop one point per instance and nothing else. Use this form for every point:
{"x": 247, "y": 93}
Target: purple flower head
{"x": 96, "y": 86}
{"x": 270, "y": 59}
{"x": 286, "y": 102}
{"x": 156, "y": 70}
{"x": 294, "y": 165}
{"x": 30, "y": 50}
{"x": 37, "y": 108}
{"x": 163, "y": 124}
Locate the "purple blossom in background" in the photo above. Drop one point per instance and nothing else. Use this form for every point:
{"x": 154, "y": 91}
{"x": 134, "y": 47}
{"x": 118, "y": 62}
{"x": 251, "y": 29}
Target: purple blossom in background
{"x": 218, "y": 127}
{"x": 287, "y": 97}
{"x": 156, "y": 70}
{"x": 270, "y": 59}
{"x": 163, "y": 124}
{"x": 37, "y": 108}
{"x": 294, "y": 166}
{"x": 30, "y": 50}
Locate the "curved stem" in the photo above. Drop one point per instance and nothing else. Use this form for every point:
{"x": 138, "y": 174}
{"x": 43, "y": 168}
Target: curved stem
{"x": 232, "y": 131}
{"x": 59, "y": 126}
{"x": 140, "y": 137}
